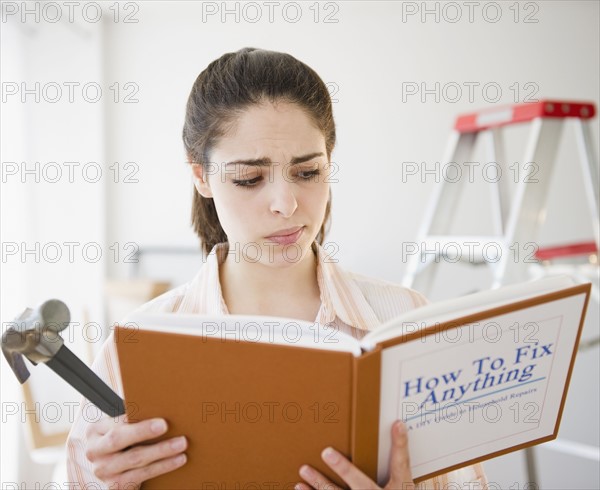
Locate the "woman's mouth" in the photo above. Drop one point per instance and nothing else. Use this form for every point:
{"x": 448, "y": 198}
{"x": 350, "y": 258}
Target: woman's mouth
{"x": 287, "y": 236}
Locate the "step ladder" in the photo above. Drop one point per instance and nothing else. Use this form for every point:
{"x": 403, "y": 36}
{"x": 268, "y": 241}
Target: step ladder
{"x": 515, "y": 221}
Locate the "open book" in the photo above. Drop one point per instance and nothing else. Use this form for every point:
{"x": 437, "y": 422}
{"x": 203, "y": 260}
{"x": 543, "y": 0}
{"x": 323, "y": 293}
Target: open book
{"x": 257, "y": 397}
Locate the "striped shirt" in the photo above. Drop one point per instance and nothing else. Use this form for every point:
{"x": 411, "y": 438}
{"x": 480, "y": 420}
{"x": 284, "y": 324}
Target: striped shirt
{"x": 353, "y": 303}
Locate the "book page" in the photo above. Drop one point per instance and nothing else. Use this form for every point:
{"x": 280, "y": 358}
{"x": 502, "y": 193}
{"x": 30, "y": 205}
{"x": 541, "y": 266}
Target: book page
{"x": 457, "y": 307}
{"x": 248, "y": 328}
{"x": 474, "y": 390}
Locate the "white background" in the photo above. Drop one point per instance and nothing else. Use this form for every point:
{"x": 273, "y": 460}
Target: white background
{"x": 367, "y": 57}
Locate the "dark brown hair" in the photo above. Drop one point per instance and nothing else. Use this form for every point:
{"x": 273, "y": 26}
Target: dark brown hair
{"x": 228, "y": 86}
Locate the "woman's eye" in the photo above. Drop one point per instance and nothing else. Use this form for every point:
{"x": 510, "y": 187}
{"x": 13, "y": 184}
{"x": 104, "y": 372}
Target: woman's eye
{"x": 304, "y": 175}
{"x": 309, "y": 174}
{"x": 247, "y": 183}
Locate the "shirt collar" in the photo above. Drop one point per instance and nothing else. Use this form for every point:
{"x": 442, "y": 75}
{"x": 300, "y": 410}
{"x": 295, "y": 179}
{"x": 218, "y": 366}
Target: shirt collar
{"x": 340, "y": 295}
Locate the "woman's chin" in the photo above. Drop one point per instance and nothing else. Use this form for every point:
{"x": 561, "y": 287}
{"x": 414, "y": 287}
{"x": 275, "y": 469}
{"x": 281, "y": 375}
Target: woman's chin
{"x": 278, "y": 255}
{"x": 269, "y": 253}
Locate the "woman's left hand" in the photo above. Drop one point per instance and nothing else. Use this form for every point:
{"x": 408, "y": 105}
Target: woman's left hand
{"x": 400, "y": 475}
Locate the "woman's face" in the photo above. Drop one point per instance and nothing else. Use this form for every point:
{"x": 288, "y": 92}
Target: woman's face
{"x": 269, "y": 177}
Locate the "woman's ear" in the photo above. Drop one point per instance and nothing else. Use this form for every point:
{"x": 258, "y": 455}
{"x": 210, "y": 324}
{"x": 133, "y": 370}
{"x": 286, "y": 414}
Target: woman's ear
{"x": 201, "y": 181}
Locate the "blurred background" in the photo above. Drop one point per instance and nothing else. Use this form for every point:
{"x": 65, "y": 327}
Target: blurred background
{"x": 96, "y": 192}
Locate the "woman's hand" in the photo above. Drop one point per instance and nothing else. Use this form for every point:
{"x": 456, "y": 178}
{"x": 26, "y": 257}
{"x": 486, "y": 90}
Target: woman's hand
{"x": 119, "y": 459}
{"x": 400, "y": 476}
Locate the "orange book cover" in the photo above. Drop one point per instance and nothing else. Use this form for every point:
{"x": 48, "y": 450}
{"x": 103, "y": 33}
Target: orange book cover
{"x": 254, "y": 410}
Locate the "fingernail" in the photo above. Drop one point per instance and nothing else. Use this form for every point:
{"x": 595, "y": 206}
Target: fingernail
{"x": 298, "y": 486}
{"x": 181, "y": 459}
{"x": 178, "y": 444}
{"x": 400, "y": 428}
{"x": 330, "y": 455}
{"x": 158, "y": 426}
{"x": 305, "y": 472}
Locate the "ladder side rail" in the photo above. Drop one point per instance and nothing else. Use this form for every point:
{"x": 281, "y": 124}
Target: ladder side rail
{"x": 458, "y": 144}
{"x": 440, "y": 215}
{"x": 499, "y": 187}
{"x": 529, "y": 203}
{"x": 589, "y": 172}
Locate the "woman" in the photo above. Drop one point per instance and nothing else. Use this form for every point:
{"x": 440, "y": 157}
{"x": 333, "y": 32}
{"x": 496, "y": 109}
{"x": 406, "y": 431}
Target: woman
{"x": 258, "y": 133}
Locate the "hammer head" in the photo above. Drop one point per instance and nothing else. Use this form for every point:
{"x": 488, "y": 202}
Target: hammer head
{"x": 35, "y": 335}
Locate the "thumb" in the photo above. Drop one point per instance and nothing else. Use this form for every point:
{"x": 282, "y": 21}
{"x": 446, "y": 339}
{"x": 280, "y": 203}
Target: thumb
{"x": 400, "y": 474}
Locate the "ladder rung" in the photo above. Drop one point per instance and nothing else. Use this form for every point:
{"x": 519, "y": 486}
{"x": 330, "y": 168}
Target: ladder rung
{"x": 518, "y": 113}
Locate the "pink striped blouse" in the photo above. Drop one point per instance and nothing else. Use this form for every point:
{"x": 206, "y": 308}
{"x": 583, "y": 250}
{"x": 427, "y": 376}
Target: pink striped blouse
{"x": 353, "y": 302}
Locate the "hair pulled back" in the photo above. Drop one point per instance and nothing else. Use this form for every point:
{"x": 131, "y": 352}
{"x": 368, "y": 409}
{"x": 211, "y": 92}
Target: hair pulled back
{"x": 228, "y": 86}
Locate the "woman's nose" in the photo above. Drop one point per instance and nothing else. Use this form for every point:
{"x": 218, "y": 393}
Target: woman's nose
{"x": 283, "y": 198}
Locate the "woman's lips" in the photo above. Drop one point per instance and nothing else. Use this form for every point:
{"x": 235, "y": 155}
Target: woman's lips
{"x": 285, "y": 238}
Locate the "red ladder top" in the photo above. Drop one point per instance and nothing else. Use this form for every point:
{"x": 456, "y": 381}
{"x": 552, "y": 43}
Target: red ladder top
{"x": 504, "y": 115}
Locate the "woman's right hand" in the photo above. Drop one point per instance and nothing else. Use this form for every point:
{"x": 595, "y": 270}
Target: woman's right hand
{"x": 119, "y": 459}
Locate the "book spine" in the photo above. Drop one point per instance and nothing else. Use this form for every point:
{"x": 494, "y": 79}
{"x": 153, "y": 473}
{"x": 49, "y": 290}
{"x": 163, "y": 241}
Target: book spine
{"x": 365, "y": 412}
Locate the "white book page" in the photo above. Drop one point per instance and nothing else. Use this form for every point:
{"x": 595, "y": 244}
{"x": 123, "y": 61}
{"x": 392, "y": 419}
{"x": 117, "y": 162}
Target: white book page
{"x": 479, "y": 388}
{"x": 458, "y": 307}
{"x": 248, "y": 328}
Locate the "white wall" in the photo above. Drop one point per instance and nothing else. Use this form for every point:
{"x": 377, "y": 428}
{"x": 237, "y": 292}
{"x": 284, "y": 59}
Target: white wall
{"x": 366, "y": 55}
{"x": 369, "y": 54}
{"x": 52, "y": 222}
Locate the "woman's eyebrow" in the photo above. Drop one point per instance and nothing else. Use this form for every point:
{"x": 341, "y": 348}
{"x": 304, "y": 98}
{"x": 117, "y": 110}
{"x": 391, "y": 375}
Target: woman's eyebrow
{"x": 265, "y": 162}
